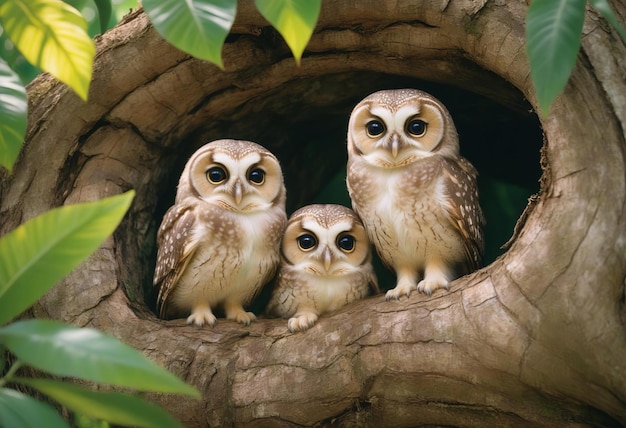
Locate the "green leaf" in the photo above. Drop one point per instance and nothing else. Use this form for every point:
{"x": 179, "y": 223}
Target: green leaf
{"x": 51, "y": 35}
{"x": 88, "y": 354}
{"x": 20, "y": 410}
{"x": 82, "y": 421}
{"x": 294, "y": 19}
{"x": 553, "y": 29}
{"x": 114, "y": 407}
{"x": 198, "y": 27}
{"x": 13, "y": 114}
{"x": 605, "y": 10}
{"x": 16, "y": 60}
{"x": 36, "y": 255}
{"x": 104, "y": 13}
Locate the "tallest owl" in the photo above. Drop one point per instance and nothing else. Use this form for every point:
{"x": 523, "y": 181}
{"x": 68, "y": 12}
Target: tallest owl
{"x": 414, "y": 192}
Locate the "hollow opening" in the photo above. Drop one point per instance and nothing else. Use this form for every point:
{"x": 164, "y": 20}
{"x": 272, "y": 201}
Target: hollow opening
{"x": 304, "y": 122}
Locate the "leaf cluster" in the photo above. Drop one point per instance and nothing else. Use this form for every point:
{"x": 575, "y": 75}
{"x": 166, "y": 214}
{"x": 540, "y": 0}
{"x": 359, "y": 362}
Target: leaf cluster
{"x": 553, "y": 32}
{"x": 33, "y": 258}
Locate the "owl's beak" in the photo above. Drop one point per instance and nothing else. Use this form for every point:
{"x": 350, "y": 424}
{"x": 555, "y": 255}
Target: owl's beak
{"x": 238, "y": 191}
{"x": 393, "y": 144}
{"x": 327, "y": 258}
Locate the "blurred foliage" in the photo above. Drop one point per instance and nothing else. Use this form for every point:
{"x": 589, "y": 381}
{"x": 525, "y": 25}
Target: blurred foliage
{"x": 198, "y": 28}
{"x": 295, "y": 21}
{"x": 23, "y": 68}
{"x": 502, "y": 204}
{"x": 553, "y": 36}
{"x": 52, "y": 35}
{"x": 88, "y": 9}
{"x": 33, "y": 258}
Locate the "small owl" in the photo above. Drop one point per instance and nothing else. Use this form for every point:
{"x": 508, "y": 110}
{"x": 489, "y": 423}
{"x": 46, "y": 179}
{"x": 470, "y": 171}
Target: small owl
{"x": 325, "y": 264}
{"x": 220, "y": 242}
{"x": 416, "y": 195}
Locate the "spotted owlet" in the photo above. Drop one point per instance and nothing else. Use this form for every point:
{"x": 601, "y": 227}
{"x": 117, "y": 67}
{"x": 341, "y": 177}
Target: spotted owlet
{"x": 325, "y": 264}
{"x": 220, "y": 242}
{"x": 416, "y": 195}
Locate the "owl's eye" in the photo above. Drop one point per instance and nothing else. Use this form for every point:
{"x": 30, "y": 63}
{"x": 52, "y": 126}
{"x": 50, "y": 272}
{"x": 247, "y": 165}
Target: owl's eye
{"x": 257, "y": 176}
{"x": 374, "y": 128}
{"x": 216, "y": 175}
{"x": 306, "y": 242}
{"x": 416, "y": 127}
{"x": 346, "y": 243}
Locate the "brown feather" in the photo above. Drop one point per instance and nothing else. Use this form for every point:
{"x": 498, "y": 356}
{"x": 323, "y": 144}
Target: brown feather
{"x": 173, "y": 254}
{"x": 464, "y": 209}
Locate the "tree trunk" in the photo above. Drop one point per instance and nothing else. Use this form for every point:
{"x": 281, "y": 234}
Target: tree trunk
{"x": 535, "y": 337}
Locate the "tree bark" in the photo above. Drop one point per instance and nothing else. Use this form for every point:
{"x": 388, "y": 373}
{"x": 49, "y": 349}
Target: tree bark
{"x": 536, "y": 337}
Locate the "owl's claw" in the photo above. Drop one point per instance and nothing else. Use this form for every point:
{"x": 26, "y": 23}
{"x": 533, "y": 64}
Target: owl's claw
{"x": 301, "y": 321}
{"x": 399, "y": 291}
{"x": 246, "y": 318}
{"x": 241, "y": 316}
{"x": 429, "y": 285}
{"x": 199, "y": 317}
{"x": 236, "y": 312}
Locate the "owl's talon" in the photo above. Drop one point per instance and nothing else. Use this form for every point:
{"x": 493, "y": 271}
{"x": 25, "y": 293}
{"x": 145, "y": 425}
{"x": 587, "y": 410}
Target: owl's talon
{"x": 301, "y": 321}
{"x": 389, "y": 296}
{"x": 201, "y": 317}
{"x": 399, "y": 291}
{"x": 427, "y": 286}
{"x": 242, "y": 317}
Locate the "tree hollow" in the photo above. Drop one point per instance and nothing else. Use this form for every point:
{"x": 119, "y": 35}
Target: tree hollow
{"x": 536, "y": 337}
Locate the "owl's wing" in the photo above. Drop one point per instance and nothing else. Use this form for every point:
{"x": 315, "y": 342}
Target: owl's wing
{"x": 282, "y": 300}
{"x": 464, "y": 209}
{"x": 372, "y": 279}
{"x": 176, "y": 247}
{"x": 372, "y": 282}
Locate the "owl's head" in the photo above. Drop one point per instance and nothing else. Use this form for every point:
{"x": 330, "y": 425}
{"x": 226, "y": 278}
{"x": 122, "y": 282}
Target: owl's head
{"x": 394, "y": 128}
{"x": 326, "y": 240}
{"x": 238, "y": 176}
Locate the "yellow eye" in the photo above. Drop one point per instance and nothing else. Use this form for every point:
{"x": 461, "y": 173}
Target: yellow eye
{"x": 374, "y": 128}
{"x": 416, "y": 127}
{"x": 347, "y": 243}
{"x": 257, "y": 176}
{"x": 306, "y": 242}
{"x": 216, "y": 175}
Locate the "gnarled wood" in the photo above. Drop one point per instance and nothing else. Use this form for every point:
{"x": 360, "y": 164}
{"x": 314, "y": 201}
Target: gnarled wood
{"x": 536, "y": 337}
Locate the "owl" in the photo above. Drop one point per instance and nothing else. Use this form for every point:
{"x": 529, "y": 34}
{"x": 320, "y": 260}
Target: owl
{"x": 325, "y": 264}
{"x": 220, "y": 241}
{"x": 416, "y": 195}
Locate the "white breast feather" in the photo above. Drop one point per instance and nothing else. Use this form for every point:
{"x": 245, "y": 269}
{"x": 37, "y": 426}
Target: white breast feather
{"x": 408, "y": 231}
{"x": 233, "y": 270}
{"x": 328, "y": 292}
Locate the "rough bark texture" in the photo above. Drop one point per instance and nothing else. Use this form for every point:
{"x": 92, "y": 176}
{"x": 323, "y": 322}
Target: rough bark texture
{"x": 536, "y": 337}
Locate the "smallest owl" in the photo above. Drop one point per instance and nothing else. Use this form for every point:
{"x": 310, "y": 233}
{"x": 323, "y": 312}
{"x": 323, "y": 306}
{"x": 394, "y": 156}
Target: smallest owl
{"x": 325, "y": 264}
{"x": 417, "y": 196}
